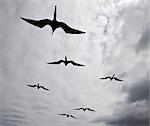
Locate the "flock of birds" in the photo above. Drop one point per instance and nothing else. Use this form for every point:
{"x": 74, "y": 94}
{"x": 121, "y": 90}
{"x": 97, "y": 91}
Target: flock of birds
{"x": 84, "y": 109}
{"x": 54, "y": 25}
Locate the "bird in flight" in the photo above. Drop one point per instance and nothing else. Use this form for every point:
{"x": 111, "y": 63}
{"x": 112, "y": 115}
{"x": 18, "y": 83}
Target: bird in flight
{"x": 68, "y": 115}
{"x": 111, "y": 78}
{"x": 54, "y": 24}
{"x": 66, "y": 62}
{"x": 84, "y": 109}
{"x": 38, "y": 86}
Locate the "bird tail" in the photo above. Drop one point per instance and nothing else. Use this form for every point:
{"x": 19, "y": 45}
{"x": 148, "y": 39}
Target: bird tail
{"x": 55, "y": 13}
{"x": 113, "y": 75}
{"x": 65, "y": 58}
{"x": 52, "y": 32}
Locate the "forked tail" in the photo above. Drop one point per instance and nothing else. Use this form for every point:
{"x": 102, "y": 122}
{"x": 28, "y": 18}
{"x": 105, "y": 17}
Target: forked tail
{"x": 65, "y": 58}
{"x": 113, "y": 75}
{"x": 55, "y": 13}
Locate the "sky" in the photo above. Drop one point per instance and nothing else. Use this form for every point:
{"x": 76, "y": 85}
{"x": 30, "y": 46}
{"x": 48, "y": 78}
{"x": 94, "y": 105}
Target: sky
{"x": 116, "y": 42}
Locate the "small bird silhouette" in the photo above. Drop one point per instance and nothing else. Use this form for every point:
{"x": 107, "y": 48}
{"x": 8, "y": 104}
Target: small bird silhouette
{"x": 68, "y": 115}
{"x": 38, "y": 86}
{"x": 66, "y": 62}
{"x": 111, "y": 78}
{"x": 53, "y": 23}
{"x": 84, "y": 109}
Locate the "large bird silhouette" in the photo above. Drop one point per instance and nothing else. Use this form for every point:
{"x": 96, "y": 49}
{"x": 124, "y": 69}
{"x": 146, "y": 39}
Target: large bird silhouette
{"x": 68, "y": 115}
{"x": 111, "y": 78}
{"x": 84, "y": 109}
{"x": 53, "y": 23}
{"x": 66, "y": 62}
{"x": 38, "y": 87}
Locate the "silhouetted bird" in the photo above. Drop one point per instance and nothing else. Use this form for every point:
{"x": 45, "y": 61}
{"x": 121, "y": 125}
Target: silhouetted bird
{"x": 66, "y": 62}
{"x": 84, "y": 109}
{"x": 38, "y": 86}
{"x": 111, "y": 78}
{"x": 68, "y": 115}
{"x": 54, "y": 24}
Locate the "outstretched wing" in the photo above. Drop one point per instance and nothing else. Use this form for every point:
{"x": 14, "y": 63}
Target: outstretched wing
{"x": 105, "y": 78}
{"x": 38, "y": 23}
{"x": 44, "y": 88}
{"x": 78, "y": 109}
{"x": 58, "y": 62}
{"x": 62, "y": 114}
{"x": 74, "y": 63}
{"x": 68, "y": 29}
{"x": 117, "y": 79}
{"x": 73, "y": 116}
{"x": 32, "y": 85}
{"x": 90, "y": 109}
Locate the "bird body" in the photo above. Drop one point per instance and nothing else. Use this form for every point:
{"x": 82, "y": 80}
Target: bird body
{"x": 53, "y": 23}
{"x": 38, "y": 86}
{"x": 68, "y": 115}
{"x": 84, "y": 109}
{"x": 111, "y": 78}
{"x": 66, "y": 62}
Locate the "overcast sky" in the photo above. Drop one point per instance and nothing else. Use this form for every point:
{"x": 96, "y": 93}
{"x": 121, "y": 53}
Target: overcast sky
{"x": 116, "y": 41}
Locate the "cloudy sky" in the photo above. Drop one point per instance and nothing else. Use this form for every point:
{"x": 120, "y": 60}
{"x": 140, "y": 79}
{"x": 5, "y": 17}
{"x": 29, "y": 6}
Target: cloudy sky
{"x": 116, "y": 41}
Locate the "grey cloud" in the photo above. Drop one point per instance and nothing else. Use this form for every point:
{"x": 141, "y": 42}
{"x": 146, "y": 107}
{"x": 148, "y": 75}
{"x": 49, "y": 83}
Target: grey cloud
{"x": 138, "y": 91}
{"x": 123, "y": 75}
{"x": 133, "y": 111}
{"x": 127, "y": 115}
{"x": 26, "y": 49}
{"x": 144, "y": 41}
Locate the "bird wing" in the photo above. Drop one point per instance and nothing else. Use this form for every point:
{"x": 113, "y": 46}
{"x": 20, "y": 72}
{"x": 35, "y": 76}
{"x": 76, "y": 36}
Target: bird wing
{"x": 78, "y": 109}
{"x": 38, "y": 23}
{"x": 90, "y": 109}
{"x": 32, "y": 85}
{"x": 105, "y": 78}
{"x": 44, "y": 88}
{"x": 74, "y": 63}
{"x": 73, "y": 116}
{"x": 117, "y": 79}
{"x": 58, "y": 62}
{"x": 62, "y": 114}
{"x": 68, "y": 29}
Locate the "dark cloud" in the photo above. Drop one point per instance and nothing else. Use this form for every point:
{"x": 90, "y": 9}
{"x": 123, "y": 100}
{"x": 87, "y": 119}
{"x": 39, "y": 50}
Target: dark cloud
{"x": 144, "y": 42}
{"x": 129, "y": 115}
{"x": 139, "y": 91}
{"x": 134, "y": 111}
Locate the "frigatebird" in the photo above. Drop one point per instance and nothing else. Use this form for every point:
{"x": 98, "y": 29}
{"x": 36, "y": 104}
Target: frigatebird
{"x": 38, "y": 86}
{"x": 53, "y": 23}
{"x": 68, "y": 115}
{"x": 66, "y": 62}
{"x": 84, "y": 109}
{"x": 111, "y": 78}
